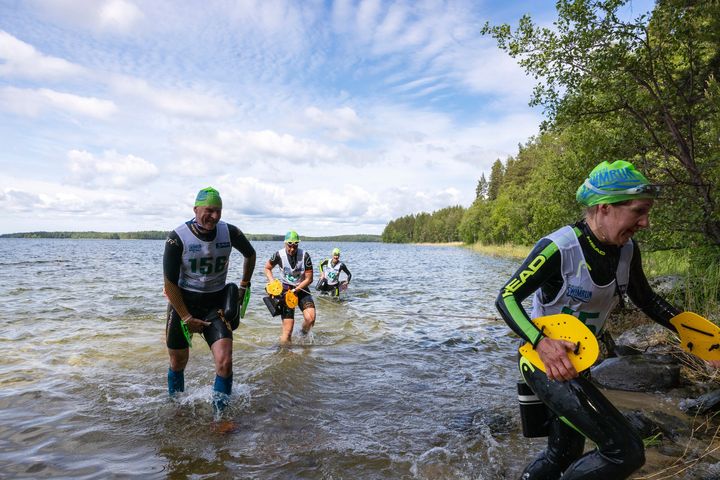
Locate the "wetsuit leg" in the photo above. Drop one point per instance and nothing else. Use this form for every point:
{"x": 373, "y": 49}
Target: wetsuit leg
{"x": 218, "y": 328}
{"x": 579, "y": 404}
{"x": 565, "y": 445}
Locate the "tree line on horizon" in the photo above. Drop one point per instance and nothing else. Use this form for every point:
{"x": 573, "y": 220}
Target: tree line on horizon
{"x": 644, "y": 90}
{"x": 161, "y": 235}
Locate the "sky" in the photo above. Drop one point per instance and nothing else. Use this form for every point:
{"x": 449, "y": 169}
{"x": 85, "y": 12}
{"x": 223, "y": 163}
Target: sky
{"x": 324, "y": 117}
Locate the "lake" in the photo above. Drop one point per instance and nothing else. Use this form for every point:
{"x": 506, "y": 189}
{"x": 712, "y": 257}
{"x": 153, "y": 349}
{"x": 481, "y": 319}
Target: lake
{"x": 410, "y": 375}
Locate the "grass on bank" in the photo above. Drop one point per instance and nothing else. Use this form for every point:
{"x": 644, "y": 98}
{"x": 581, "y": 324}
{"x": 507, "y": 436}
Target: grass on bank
{"x": 507, "y": 250}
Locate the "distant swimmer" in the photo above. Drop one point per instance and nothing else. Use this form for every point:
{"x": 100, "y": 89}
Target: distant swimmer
{"x": 195, "y": 266}
{"x": 296, "y": 275}
{"x": 330, "y": 270}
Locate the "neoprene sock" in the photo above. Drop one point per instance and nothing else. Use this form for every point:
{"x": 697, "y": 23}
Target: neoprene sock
{"x": 176, "y": 381}
{"x": 221, "y": 392}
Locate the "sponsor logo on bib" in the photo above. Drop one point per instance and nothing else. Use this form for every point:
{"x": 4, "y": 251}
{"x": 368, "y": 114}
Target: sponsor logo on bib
{"x": 578, "y": 293}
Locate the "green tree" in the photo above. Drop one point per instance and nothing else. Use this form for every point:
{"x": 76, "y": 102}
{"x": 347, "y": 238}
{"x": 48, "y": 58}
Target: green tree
{"x": 496, "y": 179}
{"x": 481, "y": 191}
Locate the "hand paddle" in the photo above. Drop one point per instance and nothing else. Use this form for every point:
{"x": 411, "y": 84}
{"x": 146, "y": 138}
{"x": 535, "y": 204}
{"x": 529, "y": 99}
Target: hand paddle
{"x": 698, "y": 335}
{"x": 291, "y": 300}
{"x": 565, "y": 327}
{"x": 245, "y": 301}
{"x": 186, "y": 332}
{"x": 274, "y": 288}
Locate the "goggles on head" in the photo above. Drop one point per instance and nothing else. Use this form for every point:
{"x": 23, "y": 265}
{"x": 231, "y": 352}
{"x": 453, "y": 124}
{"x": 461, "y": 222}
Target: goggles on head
{"x": 647, "y": 188}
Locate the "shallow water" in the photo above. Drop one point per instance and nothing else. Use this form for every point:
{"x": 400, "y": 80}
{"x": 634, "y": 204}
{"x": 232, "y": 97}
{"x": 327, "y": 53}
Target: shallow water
{"x": 409, "y": 375}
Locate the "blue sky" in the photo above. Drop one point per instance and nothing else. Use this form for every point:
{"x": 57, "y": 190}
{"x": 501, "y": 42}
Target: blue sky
{"x": 326, "y": 117}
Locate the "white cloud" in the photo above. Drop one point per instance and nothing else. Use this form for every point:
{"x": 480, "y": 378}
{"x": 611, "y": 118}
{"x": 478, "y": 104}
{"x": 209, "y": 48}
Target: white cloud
{"x": 117, "y": 16}
{"x": 21, "y": 60}
{"x": 341, "y": 123}
{"x": 249, "y": 147}
{"x": 174, "y": 101}
{"x": 111, "y": 170}
{"x": 34, "y": 102}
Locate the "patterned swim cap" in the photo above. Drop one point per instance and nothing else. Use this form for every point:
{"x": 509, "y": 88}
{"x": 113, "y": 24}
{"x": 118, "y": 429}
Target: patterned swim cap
{"x": 292, "y": 236}
{"x": 336, "y": 251}
{"x": 614, "y": 182}
{"x": 208, "y": 197}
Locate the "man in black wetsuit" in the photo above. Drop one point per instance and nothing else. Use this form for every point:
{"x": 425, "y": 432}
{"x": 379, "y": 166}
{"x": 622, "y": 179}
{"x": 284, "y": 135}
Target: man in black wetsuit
{"x": 330, "y": 269}
{"x": 195, "y": 264}
{"x": 585, "y": 269}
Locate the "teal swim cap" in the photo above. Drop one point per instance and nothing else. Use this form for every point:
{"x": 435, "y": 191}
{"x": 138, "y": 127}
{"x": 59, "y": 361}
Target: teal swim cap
{"x": 614, "y": 182}
{"x": 336, "y": 251}
{"x": 292, "y": 236}
{"x": 208, "y": 197}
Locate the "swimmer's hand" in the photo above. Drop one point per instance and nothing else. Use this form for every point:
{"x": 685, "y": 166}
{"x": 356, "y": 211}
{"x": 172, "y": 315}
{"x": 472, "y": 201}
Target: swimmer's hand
{"x": 554, "y": 355}
{"x": 196, "y": 325}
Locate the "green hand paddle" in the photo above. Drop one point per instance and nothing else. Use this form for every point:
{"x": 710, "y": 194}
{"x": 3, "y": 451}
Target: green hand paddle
{"x": 186, "y": 332}
{"x": 245, "y": 301}
{"x": 698, "y": 335}
{"x": 565, "y": 327}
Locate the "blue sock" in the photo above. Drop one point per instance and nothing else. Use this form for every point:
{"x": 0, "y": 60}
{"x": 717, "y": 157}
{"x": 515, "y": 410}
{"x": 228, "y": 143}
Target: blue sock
{"x": 221, "y": 392}
{"x": 176, "y": 381}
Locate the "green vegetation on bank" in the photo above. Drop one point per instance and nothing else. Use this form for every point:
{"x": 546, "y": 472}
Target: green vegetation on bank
{"x": 437, "y": 227}
{"x": 161, "y": 235}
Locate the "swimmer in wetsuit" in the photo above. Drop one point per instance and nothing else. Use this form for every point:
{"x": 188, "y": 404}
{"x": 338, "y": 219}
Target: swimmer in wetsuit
{"x": 585, "y": 269}
{"x": 330, "y": 269}
{"x": 296, "y": 275}
{"x": 195, "y": 263}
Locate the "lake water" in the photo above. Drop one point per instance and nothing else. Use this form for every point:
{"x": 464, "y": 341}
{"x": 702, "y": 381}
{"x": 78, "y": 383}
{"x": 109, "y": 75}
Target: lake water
{"x": 409, "y": 375}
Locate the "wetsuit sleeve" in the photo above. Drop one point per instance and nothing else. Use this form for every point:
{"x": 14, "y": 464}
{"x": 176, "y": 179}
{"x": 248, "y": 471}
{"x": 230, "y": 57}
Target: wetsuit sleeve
{"x": 323, "y": 264}
{"x": 540, "y": 267}
{"x": 307, "y": 261}
{"x": 242, "y": 244}
{"x": 643, "y": 296}
{"x": 172, "y": 262}
{"x": 274, "y": 259}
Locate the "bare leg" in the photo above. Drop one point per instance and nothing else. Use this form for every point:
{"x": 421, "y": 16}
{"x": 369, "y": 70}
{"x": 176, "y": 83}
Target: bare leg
{"x": 178, "y": 358}
{"x": 309, "y": 319}
{"x": 222, "y": 354}
{"x": 287, "y": 328}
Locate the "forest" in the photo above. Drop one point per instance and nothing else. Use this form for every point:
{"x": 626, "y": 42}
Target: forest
{"x": 643, "y": 89}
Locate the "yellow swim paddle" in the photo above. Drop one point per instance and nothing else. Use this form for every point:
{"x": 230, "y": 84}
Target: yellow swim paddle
{"x": 698, "y": 335}
{"x": 274, "y": 288}
{"x": 291, "y": 300}
{"x": 565, "y": 327}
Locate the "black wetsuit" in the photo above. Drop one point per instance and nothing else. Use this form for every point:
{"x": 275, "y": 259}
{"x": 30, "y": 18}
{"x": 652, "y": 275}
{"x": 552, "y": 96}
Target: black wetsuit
{"x": 585, "y": 412}
{"x": 324, "y": 286}
{"x": 198, "y": 304}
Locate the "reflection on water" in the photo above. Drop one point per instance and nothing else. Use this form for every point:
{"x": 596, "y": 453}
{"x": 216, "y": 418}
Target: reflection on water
{"x": 406, "y": 376}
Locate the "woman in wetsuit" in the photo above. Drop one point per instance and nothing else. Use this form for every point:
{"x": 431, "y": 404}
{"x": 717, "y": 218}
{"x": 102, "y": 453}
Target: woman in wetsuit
{"x": 585, "y": 269}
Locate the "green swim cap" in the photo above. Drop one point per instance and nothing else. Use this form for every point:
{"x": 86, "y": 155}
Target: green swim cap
{"x": 336, "y": 251}
{"x": 614, "y": 182}
{"x": 292, "y": 236}
{"x": 208, "y": 197}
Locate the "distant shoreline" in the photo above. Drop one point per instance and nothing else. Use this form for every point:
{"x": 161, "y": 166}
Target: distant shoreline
{"x": 161, "y": 235}
{"x": 439, "y": 244}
